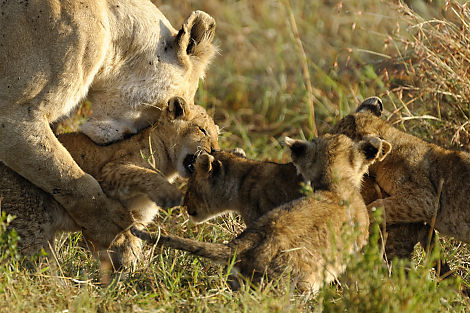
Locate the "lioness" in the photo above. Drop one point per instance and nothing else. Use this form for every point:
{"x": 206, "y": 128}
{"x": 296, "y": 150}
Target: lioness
{"x": 124, "y": 55}
{"x": 296, "y": 238}
{"x": 410, "y": 177}
{"x": 139, "y": 183}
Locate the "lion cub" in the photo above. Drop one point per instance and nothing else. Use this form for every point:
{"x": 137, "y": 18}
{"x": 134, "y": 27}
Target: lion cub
{"x": 296, "y": 237}
{"x": 249, "y": 187}
{"x": 410, "y": 178}
{"x": 134, "y": 171}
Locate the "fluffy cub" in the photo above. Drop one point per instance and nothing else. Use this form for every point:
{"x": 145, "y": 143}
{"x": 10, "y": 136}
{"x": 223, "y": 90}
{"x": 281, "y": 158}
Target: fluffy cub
{"x": 249, "y": 187}
{"x": 134, "y": 171}
{"x": 411, "y": 177}
{"x": 296, "y": 238}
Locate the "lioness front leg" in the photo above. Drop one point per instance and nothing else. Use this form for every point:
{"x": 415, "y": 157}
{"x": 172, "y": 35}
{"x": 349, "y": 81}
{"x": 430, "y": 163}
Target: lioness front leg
{"x": 124, "y": 180}
{"x": 29, "y": 147}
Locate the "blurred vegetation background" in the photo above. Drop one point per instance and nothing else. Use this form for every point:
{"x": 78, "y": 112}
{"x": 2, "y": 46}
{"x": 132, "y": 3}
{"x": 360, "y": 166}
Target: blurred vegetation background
{"x": 414, "y": 55}
{"x": 277, "y": 58}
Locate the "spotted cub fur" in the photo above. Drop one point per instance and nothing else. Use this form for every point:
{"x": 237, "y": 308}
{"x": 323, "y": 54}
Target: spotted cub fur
{"x": 412, "y": 178}
{"x": 249, "y": 187}
{"x": 296, "y": 238}
{"x": 134, "y": 171}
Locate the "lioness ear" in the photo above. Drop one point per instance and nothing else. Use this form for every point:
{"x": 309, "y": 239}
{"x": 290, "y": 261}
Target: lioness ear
{"x": 375, "y": 148}
{"x": 204, "y": 163}
{"x": 195, "y": 37}
{"x": 373, "y": 105}
{"x": 297, "y": 147}
{"x": 177, "y": 107}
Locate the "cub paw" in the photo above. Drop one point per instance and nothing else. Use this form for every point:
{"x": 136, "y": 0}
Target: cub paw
{"x": 168, "y": 197}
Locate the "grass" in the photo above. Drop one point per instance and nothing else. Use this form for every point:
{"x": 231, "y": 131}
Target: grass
{"x": 258, "y": 91}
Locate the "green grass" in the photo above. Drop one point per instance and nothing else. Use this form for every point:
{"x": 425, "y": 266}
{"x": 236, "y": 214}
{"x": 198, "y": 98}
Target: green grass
{"x": 416, "y": 60}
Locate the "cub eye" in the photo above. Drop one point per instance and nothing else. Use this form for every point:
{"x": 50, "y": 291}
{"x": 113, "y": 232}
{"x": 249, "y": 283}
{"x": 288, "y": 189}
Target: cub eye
{"x": 203, "y": 130}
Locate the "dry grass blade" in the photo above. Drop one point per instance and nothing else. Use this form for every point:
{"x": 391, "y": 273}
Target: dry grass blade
{"x": 305, "y": 71}
{"x": 434, "y": 216}
{"x": 383, "y": 230}
{"x": 437, "y": 66}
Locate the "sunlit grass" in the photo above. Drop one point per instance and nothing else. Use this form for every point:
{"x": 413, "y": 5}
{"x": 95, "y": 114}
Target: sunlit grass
{"x": 257, "y": 93}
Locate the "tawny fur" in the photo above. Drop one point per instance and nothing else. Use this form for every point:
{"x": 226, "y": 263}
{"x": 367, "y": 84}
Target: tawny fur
{"x": 409, "y": 178}
{"x": 124, "y": 55}
{"x": 249, "y": 187}
{"x": 298, "y": 238}
{"x": 139, "y": 184}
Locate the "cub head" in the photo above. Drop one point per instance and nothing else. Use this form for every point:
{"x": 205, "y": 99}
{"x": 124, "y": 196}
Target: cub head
{"x": 129, "y": 94}
{"x": 210, "y": 184}
{"x": 332, "y": 159}
{"x": 186, "y": 131}
{"x": 366, "y": 120}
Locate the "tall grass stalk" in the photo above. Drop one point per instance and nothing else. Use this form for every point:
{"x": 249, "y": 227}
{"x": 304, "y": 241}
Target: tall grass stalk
{"x": 305, "y": 70}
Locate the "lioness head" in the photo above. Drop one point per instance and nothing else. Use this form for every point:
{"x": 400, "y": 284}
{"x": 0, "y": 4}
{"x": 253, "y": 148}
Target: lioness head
{"x": 187, "y": 131}
{"x": 330, "y": 159}
{"x": 129, "y": 92}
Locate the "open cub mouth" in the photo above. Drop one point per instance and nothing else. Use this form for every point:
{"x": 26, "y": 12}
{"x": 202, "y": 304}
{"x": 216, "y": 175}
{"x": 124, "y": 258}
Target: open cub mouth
{"x": 188, "y": 163}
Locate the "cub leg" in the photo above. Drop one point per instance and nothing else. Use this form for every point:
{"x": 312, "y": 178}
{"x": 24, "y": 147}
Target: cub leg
{"x": 402, "y": 238}
{"x": 407, "y": 206}
{"x": 125, "y": 180}
{"x": 128, "y": 183}
{"x": 405, "y": 213}
{"x": 30, "y": 148}
{"x": 123, "y": 253}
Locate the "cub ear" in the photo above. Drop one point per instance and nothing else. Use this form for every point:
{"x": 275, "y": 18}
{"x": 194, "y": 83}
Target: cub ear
{"x": 204, "y": 163}
{"x": 195, "y": 37}
{"x": 239, "y": 152}
{"x": 178, "y": 107}
{"x": 373, "y": 105}
{"x": 297, "y": 147}
{"x": 386, "y": 148}
{"x": 375, "y": 148}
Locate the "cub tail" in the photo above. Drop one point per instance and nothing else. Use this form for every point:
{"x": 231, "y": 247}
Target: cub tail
{"x": 219, "y": 253}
